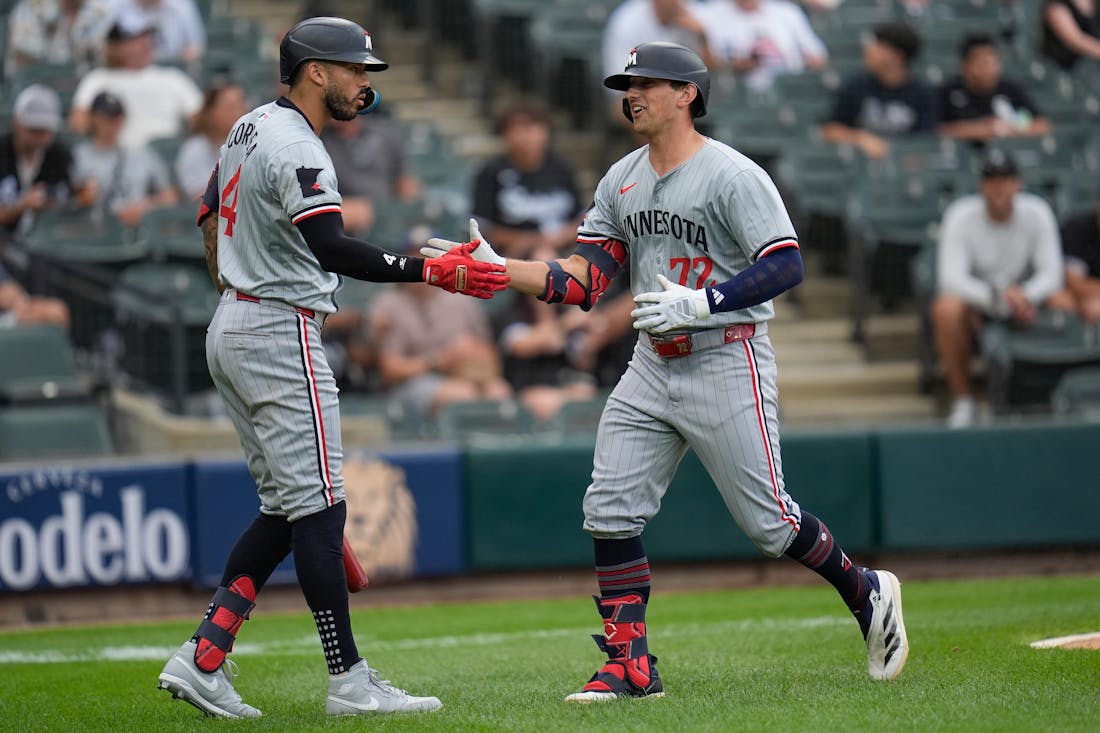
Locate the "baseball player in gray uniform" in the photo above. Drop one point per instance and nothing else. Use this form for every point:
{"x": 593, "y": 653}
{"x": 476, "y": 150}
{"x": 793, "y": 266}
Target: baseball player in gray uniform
{"x": 709, "y": 244}
{"x": 275, "y": 247}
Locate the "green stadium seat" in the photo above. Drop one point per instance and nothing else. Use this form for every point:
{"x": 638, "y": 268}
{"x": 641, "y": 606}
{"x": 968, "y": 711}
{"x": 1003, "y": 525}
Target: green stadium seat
{"x": 1025, "y": 365}
{"x": 172, "y": 235}
{"x": 579, "y": 417}
{"x": 820, "y": 175}
{"x": 466, "y": 421}
{"x": 56, "y": 431}
{"x": 79, "y": 236}
{"x": 162, "y": 311}
{"x": 1078, "y": 393}
{"x": 45, "y": 368}
{"x": 163, "y": 292}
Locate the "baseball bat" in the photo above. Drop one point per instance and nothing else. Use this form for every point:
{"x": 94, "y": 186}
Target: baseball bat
{"x": 353, "y": 570}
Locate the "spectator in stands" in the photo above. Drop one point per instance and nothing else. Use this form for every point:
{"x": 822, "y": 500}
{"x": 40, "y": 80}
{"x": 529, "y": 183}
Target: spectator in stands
{"x": 433, "y": 349}
{"x": 762, "y": 39}
{"x": 180, "y": 35}
{"x": 129, "y": 180}
{"x": 35, "y": 167}
{"x": 368, "y": 153}
{"x": 981, "y": 105}
{"x": 57, "y": 32}
{"x": 526, "y": 199}
{"x": 18, "y": 308}
{"x": 1070, "y": 31}
{"x": 159, "y": 100}
{"x": 884, "y": 101}
{"x": 536, "y": 348}
{"x": 222, "y": 104}
{"x": 999, "y": 257}
{"x": 1081, "y": 247}
{"x": 638, "y": 21}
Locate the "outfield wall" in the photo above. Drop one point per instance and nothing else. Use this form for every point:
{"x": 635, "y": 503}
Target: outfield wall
{"x": 430, "y": 511}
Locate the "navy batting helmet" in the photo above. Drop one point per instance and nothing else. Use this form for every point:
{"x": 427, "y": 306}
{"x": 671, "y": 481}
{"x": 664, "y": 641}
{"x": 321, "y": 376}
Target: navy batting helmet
{"x": 326, "y": 39}
{"x": 663, "y": 60}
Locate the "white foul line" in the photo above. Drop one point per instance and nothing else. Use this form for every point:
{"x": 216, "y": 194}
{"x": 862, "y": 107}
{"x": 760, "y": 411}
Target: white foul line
{"x": 306, "y": 644}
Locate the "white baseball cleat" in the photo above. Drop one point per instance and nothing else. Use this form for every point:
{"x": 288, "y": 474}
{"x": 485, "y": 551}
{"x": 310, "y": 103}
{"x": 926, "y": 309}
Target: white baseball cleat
{"x": 360, "y": 691}
{"x": 210, "y": 692}
{"x": 887, "y": 644}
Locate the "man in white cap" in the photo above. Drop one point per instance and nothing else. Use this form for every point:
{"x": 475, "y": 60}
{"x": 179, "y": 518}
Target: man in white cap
{"x": 35, "y": 167}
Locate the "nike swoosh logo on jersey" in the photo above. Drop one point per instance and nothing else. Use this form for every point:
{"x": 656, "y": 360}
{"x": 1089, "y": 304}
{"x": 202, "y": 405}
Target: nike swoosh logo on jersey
{"x": 624, "y": 189}
{"x": 372, "y": 703}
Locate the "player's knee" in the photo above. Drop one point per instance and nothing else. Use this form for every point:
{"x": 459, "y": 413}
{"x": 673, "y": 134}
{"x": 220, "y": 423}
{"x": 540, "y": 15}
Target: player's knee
{"x": 325, "y": 527}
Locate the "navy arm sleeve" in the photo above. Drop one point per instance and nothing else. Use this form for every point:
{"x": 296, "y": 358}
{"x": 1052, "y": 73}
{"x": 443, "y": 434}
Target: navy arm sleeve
{"x": 344, "y": 255}
{"x": 766, "y": 278}
{"x": 209, "y": 203}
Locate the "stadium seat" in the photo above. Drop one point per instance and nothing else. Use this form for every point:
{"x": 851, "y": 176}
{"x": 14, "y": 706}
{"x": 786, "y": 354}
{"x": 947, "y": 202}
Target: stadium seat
{"x": 1078, "y": 393}
{"x": 465, "y": 421}
{"x": 172, "y": 234}
{"x": 162, "y": 311}
{"x": 45, "y": 368}
{"x": 889, "y": 221}
{"x": 53, "y": 431}
{"x": 820, "y": 175}
{"x": 81, "y": 236}
{"x": 579, "y": 417}
{"x": 1025, "y": 365}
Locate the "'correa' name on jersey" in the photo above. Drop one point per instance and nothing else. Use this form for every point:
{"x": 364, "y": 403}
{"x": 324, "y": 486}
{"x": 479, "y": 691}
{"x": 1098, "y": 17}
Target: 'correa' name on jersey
{"x": 665, "y": 223}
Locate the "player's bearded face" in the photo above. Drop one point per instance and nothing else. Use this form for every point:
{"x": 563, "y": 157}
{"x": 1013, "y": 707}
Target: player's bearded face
{"x": 340, "y": 105}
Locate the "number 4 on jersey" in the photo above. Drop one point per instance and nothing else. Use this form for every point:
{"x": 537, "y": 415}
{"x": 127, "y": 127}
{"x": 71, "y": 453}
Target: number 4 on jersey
{"x": 228, "y": 208}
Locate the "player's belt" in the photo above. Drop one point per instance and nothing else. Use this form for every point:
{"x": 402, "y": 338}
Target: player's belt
{"x": 238, "y": 295}
{"x": 672, "y": 346}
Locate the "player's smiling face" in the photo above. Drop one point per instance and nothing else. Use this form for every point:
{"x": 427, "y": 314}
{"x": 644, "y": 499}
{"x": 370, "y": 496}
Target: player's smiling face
{"x": 346, "y": 89}
{"x": 653, "y": 104}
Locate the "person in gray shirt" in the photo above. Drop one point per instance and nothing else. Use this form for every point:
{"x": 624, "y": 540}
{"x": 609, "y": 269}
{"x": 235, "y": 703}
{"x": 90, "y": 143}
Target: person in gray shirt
{"x": 999, "y": 257}
{"x": 129, "y": 181}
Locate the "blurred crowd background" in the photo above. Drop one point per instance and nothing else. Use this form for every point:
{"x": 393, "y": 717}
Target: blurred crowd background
{"x": 940, "y": 158}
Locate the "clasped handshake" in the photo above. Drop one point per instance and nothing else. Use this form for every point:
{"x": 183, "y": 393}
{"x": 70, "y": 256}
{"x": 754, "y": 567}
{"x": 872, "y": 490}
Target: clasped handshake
{"x": 474, "y": 268}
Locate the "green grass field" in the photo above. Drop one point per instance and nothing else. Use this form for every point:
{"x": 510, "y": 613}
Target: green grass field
{"x": 786, "y": 659}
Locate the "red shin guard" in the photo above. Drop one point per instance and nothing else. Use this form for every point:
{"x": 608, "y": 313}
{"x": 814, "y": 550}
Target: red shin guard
{"x": 217, "y": 633}
{"x": 624, "y": 641}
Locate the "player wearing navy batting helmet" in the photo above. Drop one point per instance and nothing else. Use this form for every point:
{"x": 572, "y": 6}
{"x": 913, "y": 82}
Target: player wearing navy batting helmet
{"x": 276, "y": 248}
{"x": 709, "y": 244}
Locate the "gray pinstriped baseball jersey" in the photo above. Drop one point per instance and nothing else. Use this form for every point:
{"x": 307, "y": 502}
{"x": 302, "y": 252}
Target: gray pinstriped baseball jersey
{"x": 274, "y": 172}
{"x": 698, "y": 225}
{"x": 264, "y": 350}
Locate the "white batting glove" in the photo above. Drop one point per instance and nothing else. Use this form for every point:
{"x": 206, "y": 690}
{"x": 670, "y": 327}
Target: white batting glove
{"x": 484, "y": 251}
{"x": 674, "y": 307}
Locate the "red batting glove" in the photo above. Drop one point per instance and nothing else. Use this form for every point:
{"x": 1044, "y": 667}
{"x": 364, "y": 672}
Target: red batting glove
{"x": 457, "y": 272}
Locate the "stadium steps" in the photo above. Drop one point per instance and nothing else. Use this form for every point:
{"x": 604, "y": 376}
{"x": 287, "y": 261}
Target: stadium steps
{"x": 823, "y": 376}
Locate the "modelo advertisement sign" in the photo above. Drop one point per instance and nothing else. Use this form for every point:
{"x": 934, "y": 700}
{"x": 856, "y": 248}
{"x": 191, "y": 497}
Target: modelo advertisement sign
{"x": 405, "y": 514}
{"x": 93, "y": 526}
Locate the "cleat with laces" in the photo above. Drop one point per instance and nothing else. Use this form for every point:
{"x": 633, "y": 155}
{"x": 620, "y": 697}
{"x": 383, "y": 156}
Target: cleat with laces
{"x": 360, "y": 691}
{"x": 210, "y": 692}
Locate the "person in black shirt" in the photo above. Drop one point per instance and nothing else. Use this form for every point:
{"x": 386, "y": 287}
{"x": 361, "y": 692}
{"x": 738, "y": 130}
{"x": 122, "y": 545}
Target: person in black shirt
{"x": 35, "y": 167}
{"x": 526, "y": 199}
{"x": 979, "y": 104}
{"x": 885, "y": 100}
{"x": 1070, "y": 31}
{"x": 1081, "y": 247}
